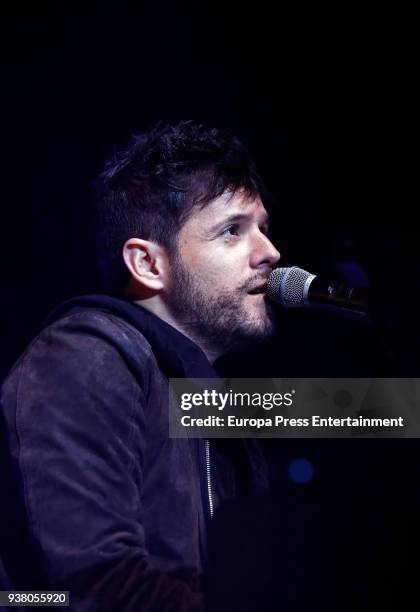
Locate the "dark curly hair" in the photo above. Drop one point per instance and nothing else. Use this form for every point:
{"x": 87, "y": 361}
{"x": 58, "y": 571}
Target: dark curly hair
{"x": 149, "y": 189}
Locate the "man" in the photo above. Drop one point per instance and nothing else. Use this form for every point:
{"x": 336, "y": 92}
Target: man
{"x": 109, "y": 507}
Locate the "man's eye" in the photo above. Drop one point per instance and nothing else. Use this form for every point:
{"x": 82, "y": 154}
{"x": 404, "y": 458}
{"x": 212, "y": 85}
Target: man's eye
{"x": 232, "y": 230}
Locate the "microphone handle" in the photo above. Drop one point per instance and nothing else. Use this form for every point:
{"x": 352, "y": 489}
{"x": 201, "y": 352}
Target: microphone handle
{"x": 326, "y": 293}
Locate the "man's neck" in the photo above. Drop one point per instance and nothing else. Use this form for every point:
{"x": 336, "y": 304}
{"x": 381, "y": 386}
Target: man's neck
{"x": 159, "y": 309}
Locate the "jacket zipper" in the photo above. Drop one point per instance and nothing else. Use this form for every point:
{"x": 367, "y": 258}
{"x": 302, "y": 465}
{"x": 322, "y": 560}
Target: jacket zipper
{"x": 208, "y": 477}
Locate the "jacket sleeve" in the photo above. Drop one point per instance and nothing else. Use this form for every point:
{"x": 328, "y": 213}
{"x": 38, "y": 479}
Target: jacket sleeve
{"x": 80, "y": 440}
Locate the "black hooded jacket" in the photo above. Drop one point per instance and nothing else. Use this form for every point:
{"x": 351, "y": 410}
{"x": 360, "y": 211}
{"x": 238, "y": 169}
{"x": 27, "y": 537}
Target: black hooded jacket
{"x": 101, "y": 502}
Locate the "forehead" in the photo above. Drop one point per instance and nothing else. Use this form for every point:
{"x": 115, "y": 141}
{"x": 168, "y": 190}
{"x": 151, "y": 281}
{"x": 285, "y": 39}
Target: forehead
{"x": 226, "y": 206}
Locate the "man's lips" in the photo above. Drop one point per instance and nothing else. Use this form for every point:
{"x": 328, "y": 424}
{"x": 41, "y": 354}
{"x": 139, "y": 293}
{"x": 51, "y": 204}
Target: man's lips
{"x": 261, "y": 288}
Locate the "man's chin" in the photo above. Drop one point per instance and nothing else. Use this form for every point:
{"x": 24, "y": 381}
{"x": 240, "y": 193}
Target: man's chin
{"x": 262, "y": 333}
{"x": 261, "y": 326}
{"x": 257, "y": 330}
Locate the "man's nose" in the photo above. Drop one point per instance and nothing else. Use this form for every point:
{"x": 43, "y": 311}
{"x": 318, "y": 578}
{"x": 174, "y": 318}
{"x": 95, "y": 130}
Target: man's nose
{"x": 265, "y": 252}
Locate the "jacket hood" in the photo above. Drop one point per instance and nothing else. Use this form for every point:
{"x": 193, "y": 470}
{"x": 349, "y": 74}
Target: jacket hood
{"x": 176, "y": 354}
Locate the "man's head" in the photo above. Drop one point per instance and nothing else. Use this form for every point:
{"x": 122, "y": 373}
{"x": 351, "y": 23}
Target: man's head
{"x": 181, "y": 229}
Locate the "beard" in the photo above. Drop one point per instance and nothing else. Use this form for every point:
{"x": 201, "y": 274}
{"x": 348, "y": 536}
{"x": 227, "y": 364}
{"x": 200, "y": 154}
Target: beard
{"x": 222, "y": 321}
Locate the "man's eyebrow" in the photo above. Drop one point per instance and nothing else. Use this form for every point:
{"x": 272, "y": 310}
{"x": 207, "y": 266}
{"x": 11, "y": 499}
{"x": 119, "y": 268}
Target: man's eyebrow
{"x": 236, "y": 219}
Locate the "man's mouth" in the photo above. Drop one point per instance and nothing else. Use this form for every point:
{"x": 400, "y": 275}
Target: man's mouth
{"x": 260, "y": 289}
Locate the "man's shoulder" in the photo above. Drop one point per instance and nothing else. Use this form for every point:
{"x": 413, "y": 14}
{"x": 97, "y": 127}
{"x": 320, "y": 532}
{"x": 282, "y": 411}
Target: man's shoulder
{"x": 86, "y": 339}
{"x": 100, "y": 326}
{"x": 96, "y": 322}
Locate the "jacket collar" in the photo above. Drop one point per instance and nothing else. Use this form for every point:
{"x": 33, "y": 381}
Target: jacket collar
{"x": 176, "y": 354}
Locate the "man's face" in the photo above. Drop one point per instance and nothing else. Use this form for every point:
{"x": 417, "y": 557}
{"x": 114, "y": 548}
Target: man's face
{"x": 224, "y": 258}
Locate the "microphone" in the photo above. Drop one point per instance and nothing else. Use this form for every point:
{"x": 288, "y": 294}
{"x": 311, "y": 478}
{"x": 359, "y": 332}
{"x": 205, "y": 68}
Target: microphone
{"x": 296, "y": 288}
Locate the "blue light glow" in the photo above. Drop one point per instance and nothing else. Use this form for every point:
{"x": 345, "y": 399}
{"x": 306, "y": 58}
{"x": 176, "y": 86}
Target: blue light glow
{"x": 300, "y": 470}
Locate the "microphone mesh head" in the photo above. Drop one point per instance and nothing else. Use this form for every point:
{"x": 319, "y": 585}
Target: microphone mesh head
{"x": 288, "y": 286}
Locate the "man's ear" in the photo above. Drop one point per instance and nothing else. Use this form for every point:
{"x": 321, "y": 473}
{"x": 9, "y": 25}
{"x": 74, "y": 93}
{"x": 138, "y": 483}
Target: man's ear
{"x": 147, "y": 262}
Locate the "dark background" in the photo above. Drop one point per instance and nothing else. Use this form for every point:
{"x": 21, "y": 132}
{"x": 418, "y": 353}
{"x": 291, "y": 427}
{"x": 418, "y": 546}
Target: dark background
{"x": 326, "y": 97}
